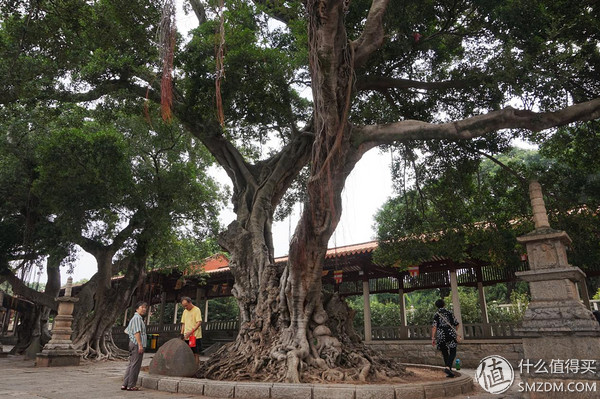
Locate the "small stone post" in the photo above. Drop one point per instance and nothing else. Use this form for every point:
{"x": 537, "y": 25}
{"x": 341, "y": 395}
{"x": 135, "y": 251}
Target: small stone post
{"x": 60, "y": 351}
{"x": 556, "y": 324}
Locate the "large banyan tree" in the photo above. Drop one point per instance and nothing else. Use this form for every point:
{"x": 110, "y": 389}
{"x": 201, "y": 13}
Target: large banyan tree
{"x": 107, "y": 182}
{"x": 381, "y": 72}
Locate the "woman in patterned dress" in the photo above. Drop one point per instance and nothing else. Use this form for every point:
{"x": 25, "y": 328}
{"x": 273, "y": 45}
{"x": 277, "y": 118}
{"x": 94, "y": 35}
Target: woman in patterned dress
{"x": 443, "y": 335}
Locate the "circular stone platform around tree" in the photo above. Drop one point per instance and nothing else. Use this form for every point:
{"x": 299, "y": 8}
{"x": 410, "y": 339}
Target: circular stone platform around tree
{"x": 462, "y": 384}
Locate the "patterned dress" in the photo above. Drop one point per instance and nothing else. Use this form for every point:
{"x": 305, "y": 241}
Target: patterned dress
{"x": 445, "y": 334}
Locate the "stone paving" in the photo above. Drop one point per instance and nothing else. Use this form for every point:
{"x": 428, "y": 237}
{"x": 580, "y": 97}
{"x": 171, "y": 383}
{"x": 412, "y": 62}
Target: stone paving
{"x": 20, "y": 379}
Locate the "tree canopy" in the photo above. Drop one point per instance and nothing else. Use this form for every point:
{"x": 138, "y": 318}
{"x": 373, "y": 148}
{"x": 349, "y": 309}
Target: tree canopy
{"x": 418, "y": 75}
{"x": 474, "y": 207}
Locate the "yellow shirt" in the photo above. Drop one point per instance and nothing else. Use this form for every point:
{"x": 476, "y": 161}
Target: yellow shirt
{"x": 190, "y": 318}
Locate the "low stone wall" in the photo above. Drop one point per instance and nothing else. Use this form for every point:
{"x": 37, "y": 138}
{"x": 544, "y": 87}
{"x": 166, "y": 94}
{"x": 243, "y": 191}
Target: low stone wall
{"x": 469, "y": 352}
{"x": 461, "y": 385}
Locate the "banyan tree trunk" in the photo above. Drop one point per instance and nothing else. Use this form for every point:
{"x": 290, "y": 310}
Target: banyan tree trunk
{"x": 100, "y": 304}
{"x": 294, "y": 333}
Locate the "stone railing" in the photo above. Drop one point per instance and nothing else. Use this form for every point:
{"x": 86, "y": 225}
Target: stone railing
{"x": 225, "y": 331}
{"x": 490, "y": 330}
{"x": 212, "y": 331}
{"x": 472, "y": 331}
{"x": 225, "y": 325}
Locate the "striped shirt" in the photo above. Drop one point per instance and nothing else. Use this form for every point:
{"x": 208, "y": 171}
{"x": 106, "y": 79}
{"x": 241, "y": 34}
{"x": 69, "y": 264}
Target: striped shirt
{"x": 136, "y": 324}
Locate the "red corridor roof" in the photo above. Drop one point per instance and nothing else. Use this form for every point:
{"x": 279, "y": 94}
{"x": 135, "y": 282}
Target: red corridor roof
{"x": 219, "y": 263}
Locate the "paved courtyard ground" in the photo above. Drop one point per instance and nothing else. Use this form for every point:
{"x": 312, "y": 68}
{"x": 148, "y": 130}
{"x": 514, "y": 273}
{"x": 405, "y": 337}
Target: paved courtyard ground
{"x": 21, "y": 379}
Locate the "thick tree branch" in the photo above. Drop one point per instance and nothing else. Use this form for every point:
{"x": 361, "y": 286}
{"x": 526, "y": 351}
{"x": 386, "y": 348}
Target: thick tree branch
{"x": 276, "y": 10}
{"x": 126, "y": 233}
{"x": 383, "y": 83}
{"x": 199, "y": 10}
{"x": 507, "y": 168}
{"x": 238, "y": 170}
{"x": 287, "y": 163}
{"x": 508, "y": 118}
{"x": 373, "y": 34}
{"x": 20, "y": 288}
{"x": 90, "y": 246}
{"x": 97, "y": 249}
{"x": 100, "y": 90}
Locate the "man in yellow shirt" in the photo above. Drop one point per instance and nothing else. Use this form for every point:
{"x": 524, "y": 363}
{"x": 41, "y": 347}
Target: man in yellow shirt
{"x": 191, "y": 320}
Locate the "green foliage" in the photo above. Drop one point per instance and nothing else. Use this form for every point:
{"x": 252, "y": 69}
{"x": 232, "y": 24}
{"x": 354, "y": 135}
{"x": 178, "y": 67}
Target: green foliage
{"x": 476, "y": 209}
{"x": 486, "y": 54}
{"x": 89, "y": 173}
{"x": 384, "y": 311}
{"x": 458, "y": 211}
{"x": 260, "y": 63}
{"x": 223, "y": 309}
{"x": 420, "y": 306}
{"x": 470, "y": 310}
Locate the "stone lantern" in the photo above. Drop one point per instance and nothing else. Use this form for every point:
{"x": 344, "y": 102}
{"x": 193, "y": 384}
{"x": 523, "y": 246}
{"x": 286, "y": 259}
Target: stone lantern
{"x": 560, "y": 335}
{"x": 60, "y": 351}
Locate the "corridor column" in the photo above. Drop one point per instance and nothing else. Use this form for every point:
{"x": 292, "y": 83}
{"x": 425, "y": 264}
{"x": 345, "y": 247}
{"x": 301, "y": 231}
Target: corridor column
{"x": 2, "y": 313}
{"x": 163, "y": 304}
{"x": 149, "y": 314}
{"x": 456, "y": 303}
{"x": 402, "y": 305}
{"x": 175, "y": 313}
{"x": 367, "y": 306}
{"x": 206, "y": 310}
{"x": 483, "y": 304}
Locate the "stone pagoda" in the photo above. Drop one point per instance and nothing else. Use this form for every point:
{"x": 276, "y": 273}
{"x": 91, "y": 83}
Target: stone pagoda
{"x": 561, "y": 337}
{"x": 60, "y": 351}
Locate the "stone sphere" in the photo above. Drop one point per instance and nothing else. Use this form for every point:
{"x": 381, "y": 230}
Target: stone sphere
{"x": 174, "y": 358}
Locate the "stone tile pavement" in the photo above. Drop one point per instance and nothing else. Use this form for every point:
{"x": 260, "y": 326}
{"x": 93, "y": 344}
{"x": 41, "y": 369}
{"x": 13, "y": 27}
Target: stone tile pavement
{"x": 479, "y": 393}
{"x": 19, "y": 379}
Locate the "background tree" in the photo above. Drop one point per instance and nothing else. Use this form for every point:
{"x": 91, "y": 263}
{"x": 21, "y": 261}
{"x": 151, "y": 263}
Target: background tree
{"x": 475, "y": 207}
{"x": 123, "y": 191}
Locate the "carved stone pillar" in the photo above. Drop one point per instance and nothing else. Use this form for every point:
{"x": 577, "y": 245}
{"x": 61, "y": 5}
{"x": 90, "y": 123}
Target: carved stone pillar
{"x": 60, "y": 351}
{"x": 556, "y": 324}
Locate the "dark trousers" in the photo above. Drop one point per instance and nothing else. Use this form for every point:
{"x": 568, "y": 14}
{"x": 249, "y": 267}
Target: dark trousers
{"x": 133, "y": 368}
{"x": 198, "y": 348}
{"x": 449, "y": 355}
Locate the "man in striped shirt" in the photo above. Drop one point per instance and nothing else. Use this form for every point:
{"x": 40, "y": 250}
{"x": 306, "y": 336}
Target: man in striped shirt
{"x": 136, "y": 329}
